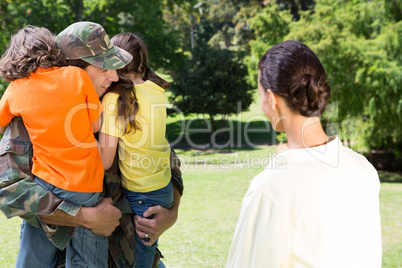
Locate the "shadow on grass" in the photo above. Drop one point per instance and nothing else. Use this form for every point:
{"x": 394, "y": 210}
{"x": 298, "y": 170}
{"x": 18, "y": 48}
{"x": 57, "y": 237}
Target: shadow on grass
{"x": 390, "y": 177}
{"x": 195, "y": 134}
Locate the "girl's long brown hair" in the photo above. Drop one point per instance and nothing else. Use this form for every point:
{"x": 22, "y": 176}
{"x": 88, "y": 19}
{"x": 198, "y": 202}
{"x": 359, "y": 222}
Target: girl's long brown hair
{"x": 128, "y": 105}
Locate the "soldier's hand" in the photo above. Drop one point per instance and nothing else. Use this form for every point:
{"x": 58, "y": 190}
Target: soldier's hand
{"x": 151, "y": 229}
{"x": 103, "y": 218}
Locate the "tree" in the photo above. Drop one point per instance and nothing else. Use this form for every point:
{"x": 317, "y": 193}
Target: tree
{"x": 194, "y": 13}
{"x": 230, "y": 21}
{"x": 360, "y": 45}
{"x": 142, "y": 17}
{"x": 146, "y": 18}
{"x": 270, "y": 26}
{"x": 361, "y": 49}
{"x": 295, "y": 6}
{"x": 213, "y": 82}
{"x": 228, "y": 17}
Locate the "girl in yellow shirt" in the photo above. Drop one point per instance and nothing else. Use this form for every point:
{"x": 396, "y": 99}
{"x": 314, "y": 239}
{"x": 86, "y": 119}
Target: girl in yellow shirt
{"x": 134, "y": 123}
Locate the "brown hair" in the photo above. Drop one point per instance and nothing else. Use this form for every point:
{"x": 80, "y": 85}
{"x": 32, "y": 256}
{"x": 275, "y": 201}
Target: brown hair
{"x": 292, "y": 71}
{"x": 128, "y": 105}
{"x": 134, "y": 45}
{"x": 30, "y": 48}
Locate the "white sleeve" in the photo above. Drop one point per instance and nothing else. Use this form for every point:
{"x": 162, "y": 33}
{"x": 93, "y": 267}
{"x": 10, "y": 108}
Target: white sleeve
{"x": 261, "y": 235}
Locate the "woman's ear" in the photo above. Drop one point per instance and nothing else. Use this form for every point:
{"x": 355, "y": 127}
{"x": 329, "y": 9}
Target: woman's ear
{"x": 272, "y": 98}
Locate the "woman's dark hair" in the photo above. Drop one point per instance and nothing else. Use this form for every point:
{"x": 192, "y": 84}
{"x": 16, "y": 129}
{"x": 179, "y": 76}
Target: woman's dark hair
{"x": 128, "y": 105}
{"x": 292, "y": 71}
{"x": 30, "y": 48}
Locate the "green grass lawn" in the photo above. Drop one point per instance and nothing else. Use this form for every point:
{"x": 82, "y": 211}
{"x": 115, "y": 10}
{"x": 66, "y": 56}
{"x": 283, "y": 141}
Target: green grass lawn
{"x": 211, "y": 205}
{"x": 215, "y": 183}
{"x": 9, "y": 238}
{"x": 391, "y": 218}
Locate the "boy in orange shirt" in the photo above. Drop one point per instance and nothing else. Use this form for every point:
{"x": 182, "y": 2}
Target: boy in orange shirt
{"x": 60, "y": 108}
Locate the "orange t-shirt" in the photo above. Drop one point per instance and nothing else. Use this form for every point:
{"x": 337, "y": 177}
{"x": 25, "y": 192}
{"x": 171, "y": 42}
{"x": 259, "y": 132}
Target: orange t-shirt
{"x": 57, "y": 106}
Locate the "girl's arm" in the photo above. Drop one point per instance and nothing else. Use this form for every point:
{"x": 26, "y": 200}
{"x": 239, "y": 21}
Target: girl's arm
{"x": 107, "y": 146}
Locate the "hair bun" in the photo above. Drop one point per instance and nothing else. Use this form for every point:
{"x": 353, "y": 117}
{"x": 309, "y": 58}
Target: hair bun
{"x": 292, "y": 70}
{"x": 310, "y": 95}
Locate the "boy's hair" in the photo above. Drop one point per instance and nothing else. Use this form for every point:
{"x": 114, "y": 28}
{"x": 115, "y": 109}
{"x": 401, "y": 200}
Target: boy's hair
{"x": 30, "y": 48}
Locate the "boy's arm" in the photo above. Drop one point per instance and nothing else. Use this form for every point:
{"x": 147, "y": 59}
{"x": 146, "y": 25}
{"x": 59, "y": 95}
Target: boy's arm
{"x": 2, "y": 130}
{"x": 96, "y": 125}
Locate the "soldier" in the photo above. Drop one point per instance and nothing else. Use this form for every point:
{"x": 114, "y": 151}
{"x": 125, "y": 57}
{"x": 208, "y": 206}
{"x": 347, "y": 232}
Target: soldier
{"x": 44, "y": 203}
{"x": 66, "y": 160}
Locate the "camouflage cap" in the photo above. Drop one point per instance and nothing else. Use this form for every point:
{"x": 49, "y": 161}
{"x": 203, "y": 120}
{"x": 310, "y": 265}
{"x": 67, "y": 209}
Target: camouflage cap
{"x": 88, "y": 41}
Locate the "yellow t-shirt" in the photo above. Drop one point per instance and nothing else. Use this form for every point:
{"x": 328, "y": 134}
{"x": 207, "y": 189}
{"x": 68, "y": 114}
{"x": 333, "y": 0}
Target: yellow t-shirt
{"x": 144, "y": 156}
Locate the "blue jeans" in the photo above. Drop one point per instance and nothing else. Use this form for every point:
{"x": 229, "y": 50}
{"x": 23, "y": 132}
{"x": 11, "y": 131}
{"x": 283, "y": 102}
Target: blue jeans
{"x": 85, "y": 249}
{"x": 139, "y": 203}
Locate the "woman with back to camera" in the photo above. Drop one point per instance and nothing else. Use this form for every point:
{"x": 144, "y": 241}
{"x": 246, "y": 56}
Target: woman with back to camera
{"x": 316, "y": 204}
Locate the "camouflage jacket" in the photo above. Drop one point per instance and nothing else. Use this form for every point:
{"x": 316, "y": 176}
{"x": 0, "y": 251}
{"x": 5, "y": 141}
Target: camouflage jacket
{"x": 21, "y": 196}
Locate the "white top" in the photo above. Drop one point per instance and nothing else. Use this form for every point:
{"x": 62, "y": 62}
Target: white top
{"x": 315, "y": 207}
